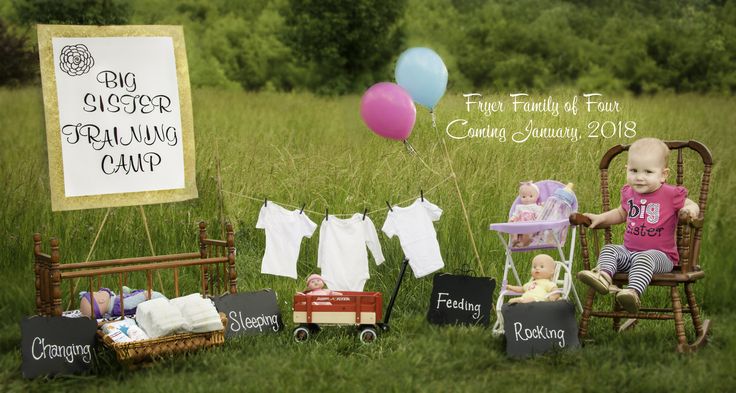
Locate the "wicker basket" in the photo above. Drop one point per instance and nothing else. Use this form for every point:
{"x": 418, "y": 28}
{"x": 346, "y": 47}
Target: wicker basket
{"x": 136, "y": 353}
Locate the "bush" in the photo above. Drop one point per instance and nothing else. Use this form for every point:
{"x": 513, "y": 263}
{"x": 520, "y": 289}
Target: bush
{"x": 80, "y": 12}
{"x": 19, "y": 63}
{"x": 347, "y": 46}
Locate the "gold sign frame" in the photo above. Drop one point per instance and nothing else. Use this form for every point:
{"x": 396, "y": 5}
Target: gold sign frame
{"x": 59, "y": 200}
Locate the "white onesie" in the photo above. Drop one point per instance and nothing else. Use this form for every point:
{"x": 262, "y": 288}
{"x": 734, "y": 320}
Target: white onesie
{"x": 284, "y": 232}
{"x": 413, "y": 225}
{"x": 342, "y": 255}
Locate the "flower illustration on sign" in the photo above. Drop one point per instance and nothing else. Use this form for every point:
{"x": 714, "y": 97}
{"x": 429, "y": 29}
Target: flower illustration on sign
{"x": 76, "y": 60}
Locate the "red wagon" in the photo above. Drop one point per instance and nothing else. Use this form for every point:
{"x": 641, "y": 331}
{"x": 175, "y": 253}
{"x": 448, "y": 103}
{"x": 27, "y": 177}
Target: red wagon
{"x": 363, "y": 310}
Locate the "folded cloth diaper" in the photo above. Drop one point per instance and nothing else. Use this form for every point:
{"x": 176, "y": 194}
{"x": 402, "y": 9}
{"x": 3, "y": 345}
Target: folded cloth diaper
{"x": 158, "y": 317}
{"x": 199, "y": 313}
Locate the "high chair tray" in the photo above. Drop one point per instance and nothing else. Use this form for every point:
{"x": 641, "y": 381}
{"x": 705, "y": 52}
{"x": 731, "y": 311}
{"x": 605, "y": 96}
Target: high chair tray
{"x": 524, "y": 227}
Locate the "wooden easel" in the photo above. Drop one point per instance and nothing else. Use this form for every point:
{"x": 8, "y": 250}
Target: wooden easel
{"x": 73, "y": 286}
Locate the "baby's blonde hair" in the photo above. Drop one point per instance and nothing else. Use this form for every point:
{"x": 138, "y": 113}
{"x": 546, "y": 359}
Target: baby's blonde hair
{"x": 651, "y": 146}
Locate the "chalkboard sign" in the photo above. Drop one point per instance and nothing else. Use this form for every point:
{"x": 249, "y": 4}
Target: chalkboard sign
{"x": 460, "y": 299}
{"x": 119, "y": 123}
{"x": 538, "y": 327}
{"x": 250, "y": 313}
{"x": 56, "y": 345}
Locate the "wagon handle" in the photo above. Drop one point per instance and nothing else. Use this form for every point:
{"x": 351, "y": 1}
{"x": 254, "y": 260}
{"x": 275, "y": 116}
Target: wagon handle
{"x": 390, "y": 307}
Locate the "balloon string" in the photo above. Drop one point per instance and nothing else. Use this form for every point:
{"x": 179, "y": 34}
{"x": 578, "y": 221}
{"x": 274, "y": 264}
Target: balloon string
{"x": 409, "y": 147}
{"x": 459, "y": 194}
{"x": 419, "y": 156}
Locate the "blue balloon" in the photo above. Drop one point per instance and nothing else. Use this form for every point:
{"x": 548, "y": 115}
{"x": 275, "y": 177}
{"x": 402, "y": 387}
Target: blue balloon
{"x": 422, "y": 73}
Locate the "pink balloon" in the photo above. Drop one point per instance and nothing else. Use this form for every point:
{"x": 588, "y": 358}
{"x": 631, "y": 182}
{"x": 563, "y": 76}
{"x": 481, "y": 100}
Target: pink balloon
{"x": 388, "y": 110}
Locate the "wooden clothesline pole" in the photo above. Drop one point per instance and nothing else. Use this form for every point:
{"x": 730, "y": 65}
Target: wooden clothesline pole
{"x": 459, "y": 194}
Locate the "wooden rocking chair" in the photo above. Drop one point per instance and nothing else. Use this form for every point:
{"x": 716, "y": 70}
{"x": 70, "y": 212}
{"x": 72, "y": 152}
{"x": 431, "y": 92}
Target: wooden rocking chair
{"x": 688, "y": 246}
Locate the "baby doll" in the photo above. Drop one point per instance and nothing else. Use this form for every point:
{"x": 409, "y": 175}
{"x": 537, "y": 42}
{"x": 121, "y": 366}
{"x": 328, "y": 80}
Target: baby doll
{"x": 316, "y": 286}
{"x": 107, "y": 303}
{"x": 538, "y": 289}
{"x": 650, "y": 208}
{"x": 528, "y": 209}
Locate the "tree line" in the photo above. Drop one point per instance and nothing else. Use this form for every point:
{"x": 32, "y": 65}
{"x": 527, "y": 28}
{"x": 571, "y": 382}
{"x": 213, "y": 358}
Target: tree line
{"x": 339, "y": 47}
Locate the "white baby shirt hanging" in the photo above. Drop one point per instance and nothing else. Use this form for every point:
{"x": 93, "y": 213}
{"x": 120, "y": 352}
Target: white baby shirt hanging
{"x": 342, "y": 257}
{"x": 284, "y": 232}
{"x": 418, "y": 238}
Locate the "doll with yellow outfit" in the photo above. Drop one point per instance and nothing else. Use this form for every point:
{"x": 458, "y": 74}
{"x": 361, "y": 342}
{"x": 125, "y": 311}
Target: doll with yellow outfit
{"x": 541, "y": 287}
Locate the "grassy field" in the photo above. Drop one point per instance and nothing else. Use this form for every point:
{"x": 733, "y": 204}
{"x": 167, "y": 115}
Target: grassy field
{"x": 299, "y": 149}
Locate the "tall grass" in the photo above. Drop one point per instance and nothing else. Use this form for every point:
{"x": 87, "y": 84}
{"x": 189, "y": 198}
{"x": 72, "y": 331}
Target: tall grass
{"x": 300, "y": 149}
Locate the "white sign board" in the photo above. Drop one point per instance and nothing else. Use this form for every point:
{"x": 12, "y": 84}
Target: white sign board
{"x": 118, "y": 115}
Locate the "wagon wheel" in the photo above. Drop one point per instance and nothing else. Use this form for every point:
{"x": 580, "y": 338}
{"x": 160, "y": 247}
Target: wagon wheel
{"x": 301, "y": 334}
{"x": 368, "y": 335}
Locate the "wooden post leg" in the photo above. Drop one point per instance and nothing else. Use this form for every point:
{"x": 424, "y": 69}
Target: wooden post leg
{"x": 616, "y": 320}
{"x": 38, "y": 272}
{"x": 694, "y": 310}
{"x": 55, "y": 279}
{"x": 679, "y": 323}
{"x": 231, "y": 259}
{"x": 587, "y": 308}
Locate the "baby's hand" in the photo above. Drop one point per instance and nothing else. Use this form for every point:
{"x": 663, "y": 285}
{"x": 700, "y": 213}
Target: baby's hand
{"x": 689, "y": 211}
{"x": 595, "y": 219}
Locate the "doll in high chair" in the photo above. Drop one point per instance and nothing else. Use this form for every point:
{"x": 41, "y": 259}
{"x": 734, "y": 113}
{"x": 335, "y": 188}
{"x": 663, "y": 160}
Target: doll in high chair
{"x": 650, "y": 208}
{"x": 528, "y": 209}
{"x": 541, "y": 287}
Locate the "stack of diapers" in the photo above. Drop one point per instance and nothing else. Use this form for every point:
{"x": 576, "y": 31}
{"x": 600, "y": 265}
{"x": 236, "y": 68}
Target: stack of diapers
{"x": 158, "y": 317}
{"x": 199, "y": 313}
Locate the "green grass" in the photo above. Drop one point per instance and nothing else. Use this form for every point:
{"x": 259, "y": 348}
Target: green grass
{"x": 297, "y": 148}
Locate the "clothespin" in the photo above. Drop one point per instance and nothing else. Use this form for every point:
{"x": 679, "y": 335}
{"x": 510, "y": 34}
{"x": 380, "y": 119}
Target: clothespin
{"x": 265, "y": 202}
{"x": 302, "y": 210}
{"x": 364, "y": 213}
{"x": 389, "y": 206}
{"x": 421, "y": 192}
{"x": 327, "y": 214}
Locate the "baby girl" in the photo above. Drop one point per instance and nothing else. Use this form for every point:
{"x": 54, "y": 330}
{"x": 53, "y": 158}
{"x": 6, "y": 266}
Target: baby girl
{"x": 650, "y": 208}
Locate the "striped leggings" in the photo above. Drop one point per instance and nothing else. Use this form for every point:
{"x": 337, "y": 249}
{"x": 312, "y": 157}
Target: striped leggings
{"x": 640, "y": 265}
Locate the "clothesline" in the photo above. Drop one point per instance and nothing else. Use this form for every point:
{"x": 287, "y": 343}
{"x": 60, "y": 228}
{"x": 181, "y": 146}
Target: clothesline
{"x": 338, "y": 214}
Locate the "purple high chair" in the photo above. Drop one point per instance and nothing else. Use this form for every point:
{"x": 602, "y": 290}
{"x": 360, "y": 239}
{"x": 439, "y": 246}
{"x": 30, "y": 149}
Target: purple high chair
{"x": 545, "y": 235}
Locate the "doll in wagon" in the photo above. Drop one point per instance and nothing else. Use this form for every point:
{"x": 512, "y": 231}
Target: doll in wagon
{"x": 316, "y": 286}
